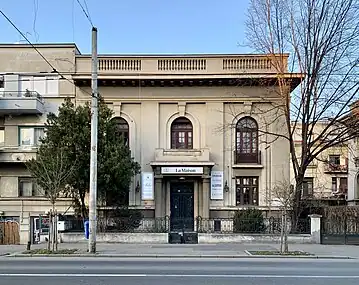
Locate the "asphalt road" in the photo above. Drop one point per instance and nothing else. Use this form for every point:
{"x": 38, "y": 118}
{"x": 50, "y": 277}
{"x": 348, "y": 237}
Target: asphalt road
{"x": 106, "y": 271}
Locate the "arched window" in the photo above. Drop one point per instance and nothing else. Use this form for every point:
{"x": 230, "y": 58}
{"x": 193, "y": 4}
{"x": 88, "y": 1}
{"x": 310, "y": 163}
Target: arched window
{"x": 247, "y": 141}
{"x": 122, "y": 129}
{"x": 181, "y": 134}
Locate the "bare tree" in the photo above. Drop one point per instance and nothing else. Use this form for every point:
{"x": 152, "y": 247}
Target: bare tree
{"x": 283, "y": 194}
{"x": 51, "y": 170}
{"x": 322, "y": 37}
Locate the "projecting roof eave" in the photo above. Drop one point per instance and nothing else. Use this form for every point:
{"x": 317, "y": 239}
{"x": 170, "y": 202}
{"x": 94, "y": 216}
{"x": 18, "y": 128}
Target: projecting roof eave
{"x": 256, "y": 79}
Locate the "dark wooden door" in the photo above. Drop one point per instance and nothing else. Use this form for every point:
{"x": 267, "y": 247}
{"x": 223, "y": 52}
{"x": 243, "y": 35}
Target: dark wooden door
{"x": 182, "y": 206}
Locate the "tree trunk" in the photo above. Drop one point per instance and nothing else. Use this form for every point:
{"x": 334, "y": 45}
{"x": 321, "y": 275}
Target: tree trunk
{"x": 53, "y": 217}
{"x": 285, "y": 232}
{"x": 49, "y": 237}
{"x": 83, "y": 206}
{"x": 297, "y": 201}
{"x": 282, "y": 235}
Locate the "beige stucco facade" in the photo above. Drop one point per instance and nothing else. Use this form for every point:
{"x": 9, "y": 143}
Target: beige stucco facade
{"x": 328, "y": 173}
{"x": 213, "y": 92}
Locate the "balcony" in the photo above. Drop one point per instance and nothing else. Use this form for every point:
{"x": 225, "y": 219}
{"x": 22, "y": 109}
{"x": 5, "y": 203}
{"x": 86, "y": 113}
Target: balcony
{"x": 335, "y": 168}
{"x": 17, "y": 154}
{"x": 247, "y": 159}
{"x": 21, "y": 102}
{"x": 182, "y": 156}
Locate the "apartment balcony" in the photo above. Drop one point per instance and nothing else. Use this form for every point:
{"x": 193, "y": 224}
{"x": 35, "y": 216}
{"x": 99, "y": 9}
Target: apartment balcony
{"x": 182, "y": 157}
{"x": 18, "y": 102}
{"x": 335, "y": 168}
{"x": 17, "y": 154}
{"x": 250, "y": 160}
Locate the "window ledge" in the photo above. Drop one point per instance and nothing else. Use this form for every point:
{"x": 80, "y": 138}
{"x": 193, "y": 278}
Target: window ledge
{"x": 248, "y": 165}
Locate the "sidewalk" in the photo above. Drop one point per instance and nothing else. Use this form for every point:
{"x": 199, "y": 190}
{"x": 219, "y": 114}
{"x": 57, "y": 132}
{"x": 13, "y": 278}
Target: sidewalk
{"x": 192, "y": 250}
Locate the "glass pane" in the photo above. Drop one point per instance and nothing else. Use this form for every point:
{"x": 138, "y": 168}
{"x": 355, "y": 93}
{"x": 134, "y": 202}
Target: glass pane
{"x": 38, "y": 191}
{"x": 26, "y": 82}
{"x": 246, "y": 200}
{"x": 40, "y": 85}
{"x": 52, "y": 85}
{"x": 2, "y": 137}
{"x": 39, "y": 133}
{"x": 27, "y": 136}
{"x": 181, "y": 137}
{"x": 26, "y": 188}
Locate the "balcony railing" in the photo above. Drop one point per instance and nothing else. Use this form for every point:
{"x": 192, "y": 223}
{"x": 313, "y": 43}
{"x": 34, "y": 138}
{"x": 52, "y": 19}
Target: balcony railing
{"x": 21, "y": 102}
{"x": 335, "y": 168}
{"x": 191, "y": 64}
{"x": 20, "y": 94}
{"x": 247, "y": 158}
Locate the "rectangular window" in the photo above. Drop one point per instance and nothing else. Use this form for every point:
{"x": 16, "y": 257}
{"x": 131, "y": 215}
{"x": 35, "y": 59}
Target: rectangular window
{"x": 247, "y": 190}
{"x": 2, "y": 136}
{"x": 30, "y": 136}
{"x": 307, "y": 187}
{"x": 334, "y": 159}
{"x": 343, "y": 185}
{"x": 2, "y": 82}
{"x": 334, "y": 184}
{"x": 28, "y": 188}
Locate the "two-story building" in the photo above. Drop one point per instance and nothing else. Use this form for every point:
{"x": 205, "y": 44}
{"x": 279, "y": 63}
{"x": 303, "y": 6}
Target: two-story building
{"x": 201, "y": 127}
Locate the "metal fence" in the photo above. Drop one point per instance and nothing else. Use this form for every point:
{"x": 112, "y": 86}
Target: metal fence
{"x": 266, "y": 226}
{"x": 200, "y": 225}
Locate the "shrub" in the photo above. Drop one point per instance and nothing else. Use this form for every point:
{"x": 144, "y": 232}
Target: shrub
{"x": 248, "y": 221}
{"x": 125, "y": 220}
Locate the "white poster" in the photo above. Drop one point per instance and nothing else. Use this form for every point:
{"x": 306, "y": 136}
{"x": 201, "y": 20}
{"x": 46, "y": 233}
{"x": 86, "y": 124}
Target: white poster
{"x": 147, "y": 192}
{"x": 217, "y": 185}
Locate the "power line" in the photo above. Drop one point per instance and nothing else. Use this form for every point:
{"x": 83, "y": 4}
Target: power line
{"x": 41, "y": 55}
{"x": 86, "y": 13}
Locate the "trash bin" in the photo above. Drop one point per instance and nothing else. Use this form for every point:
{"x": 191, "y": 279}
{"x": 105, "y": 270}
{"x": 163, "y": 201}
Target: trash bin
{"x": 86, "y": 229}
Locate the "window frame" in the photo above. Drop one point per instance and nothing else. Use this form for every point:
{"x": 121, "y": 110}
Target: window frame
{"x": 2, "y": 143}
{"x": 336, "y": 157}
{"x": 34, "y": 190}
{"x": 36, "y": 142}
{"x": 122, "y": 132}
{"x": 2, "y": 82}
{"x": 253, "y": 194}
{"x": 246, "y": 141}
{"x": 310, "y": 191}
{"x": 182, "y": 128}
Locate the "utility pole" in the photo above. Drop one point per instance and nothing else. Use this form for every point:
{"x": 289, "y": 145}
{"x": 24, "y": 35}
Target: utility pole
{"x": 93, "y": 157}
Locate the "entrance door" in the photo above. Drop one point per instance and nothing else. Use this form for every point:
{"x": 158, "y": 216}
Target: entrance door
{"x": 182, "y": 206}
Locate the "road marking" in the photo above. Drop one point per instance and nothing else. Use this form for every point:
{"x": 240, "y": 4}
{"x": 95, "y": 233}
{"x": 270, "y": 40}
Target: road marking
{"x": 177, "y": 275}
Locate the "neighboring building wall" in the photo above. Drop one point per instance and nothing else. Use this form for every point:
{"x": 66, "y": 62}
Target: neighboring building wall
{"x": 30, "y": 91}
{"x": 328, "y": 173}
{"x": 353, "y": 177}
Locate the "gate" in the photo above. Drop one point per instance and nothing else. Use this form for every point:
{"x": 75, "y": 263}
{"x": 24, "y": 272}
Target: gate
{"x": 340, "y": 226}
{"x": 9, "y": 232}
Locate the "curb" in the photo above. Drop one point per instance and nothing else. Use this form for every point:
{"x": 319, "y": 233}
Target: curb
{"x": 176, "y": 256}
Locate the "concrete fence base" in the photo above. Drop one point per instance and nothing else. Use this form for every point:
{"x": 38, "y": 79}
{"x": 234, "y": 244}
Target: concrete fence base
{"x": 162, "y": 238}
{"x": 254, "y": 238}
{"x": 151, "y": 238}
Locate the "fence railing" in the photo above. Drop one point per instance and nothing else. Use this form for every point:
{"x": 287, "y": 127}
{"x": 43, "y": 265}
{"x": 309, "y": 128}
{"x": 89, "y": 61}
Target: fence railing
{"x": 199, "y": 224}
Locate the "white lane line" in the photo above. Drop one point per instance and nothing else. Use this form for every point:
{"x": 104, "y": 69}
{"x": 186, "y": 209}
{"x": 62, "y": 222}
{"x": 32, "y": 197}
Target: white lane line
{"x": 179, "y": 275}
